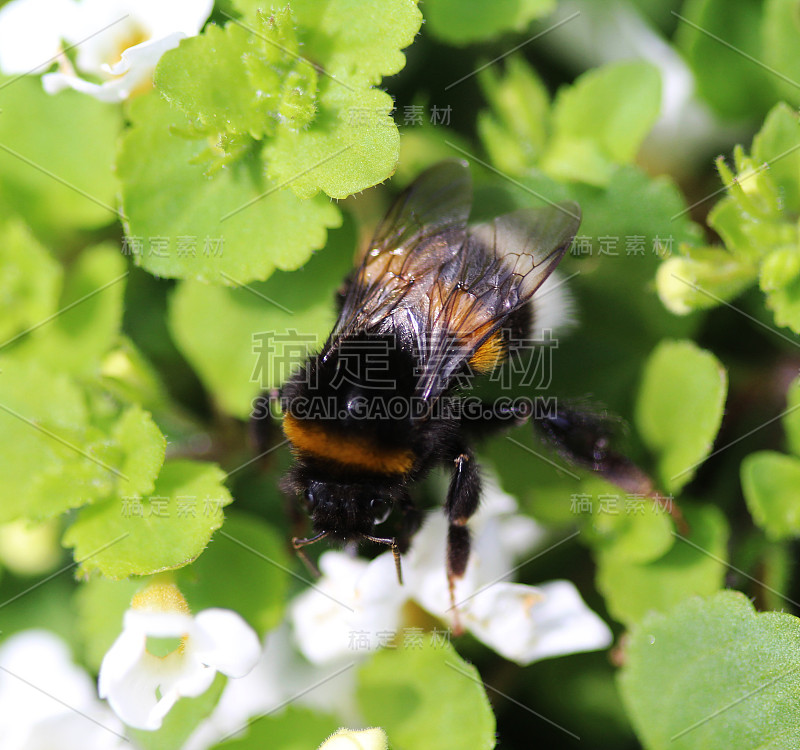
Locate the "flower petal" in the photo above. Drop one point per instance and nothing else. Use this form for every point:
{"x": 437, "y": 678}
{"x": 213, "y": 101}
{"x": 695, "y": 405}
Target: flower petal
{"x": 181, "y": 676}
{"x": 123, "y": 655}
{"x": 31, "y": 33}
{"x": 158, "y": 624}
{"x": 132, "y": 679}
{"x": 134, "y": 70}
{"x": 223, "y": 640}
{"x": 41, "y": 659}
{"x": 106, "y": 92}
{"x": 525, "y": 624}
{"x": 120, "y": 39}
{"x": 96, "y": 728}
{"x": 144, "y": 56}
{"x": 133, "y": 694}
{"x": 353, "y": 598}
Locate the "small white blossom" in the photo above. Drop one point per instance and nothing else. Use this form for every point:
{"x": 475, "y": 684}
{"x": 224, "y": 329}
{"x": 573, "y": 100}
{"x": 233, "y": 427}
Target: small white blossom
{"x": 281, "y": 677}
{"x": 140, "y": 687}
{"x": 522, "y": 623}
{"x": 115, "y": 44}
{"x": 46, "y": 701}
{"x": 356, "y": 739}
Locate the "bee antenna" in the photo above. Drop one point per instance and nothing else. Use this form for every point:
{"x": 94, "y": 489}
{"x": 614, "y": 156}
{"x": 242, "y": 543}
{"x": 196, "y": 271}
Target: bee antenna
{"x": 298, "y": 544}
{"x": 395, "y": 551}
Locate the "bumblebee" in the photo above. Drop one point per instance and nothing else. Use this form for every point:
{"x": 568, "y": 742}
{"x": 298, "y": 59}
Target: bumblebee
{"x": 430, "y": 300}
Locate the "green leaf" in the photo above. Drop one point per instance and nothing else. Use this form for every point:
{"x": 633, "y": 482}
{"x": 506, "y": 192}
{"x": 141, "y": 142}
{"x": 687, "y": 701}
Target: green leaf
{"x": 345, "y": 139}
{"x": 241, "y": 80}
{"x": 785, "y": 303}
{"x": 245, "y": 549}
{"x": 638, "y": 532}
{"x": 100, "y": 605}
{"x": 77, "y": 339}
{"x": 780, "y": 268}
{"x": 403, "y": 692}
{"x": 780, "y": 31}
{"x": 144, "y": 449}
{"x": 791, "y": 417}
{"x": 771, "y": 485}
{"x": 58, "y": 180}
{"x": 230, "y": 226}
{"x": 679, "y": 408}
{"x": 293, "y": 729}
{"x": 757, "y": 223}
{"x": 266, "y": 128}
{"x": 168, "y": 529}
{"x": 601, "y": 120}
{"x": 242, "y": 341}
{"x": 351, "y": 145}
{"x": 131, "y": 378}
{"x": 182, "y": 719}
{"x": 49, "y": 605}
{"x": 776, "y": 145}
{"x": 50, "y": 458}
{"x": 714, "y": 673}
{"x": 693, "y": 565}
{"x": 514, "y": 129}
{"x": 732, "y": 84}
{"x": 30, "y": 282}
{"x": 543, "y": 490}
{"x": 53, "y": 458}
{"x": 357, "y": 41}
{"x": 206, "y": 76}
{"x": 462, "y": 23}
{"x": 701, "y": 278}
{"x": 750, "y": 218}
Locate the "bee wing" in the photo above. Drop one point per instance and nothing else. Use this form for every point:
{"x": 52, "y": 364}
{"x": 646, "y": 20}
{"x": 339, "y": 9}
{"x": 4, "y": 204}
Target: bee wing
{"x": 524, "y": 247}
{"x": 502, "y": 264}
{"x": 423, "y": 230}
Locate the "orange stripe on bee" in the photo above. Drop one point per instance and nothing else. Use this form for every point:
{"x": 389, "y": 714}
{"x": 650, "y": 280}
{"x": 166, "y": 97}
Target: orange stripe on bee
{"x": 489, "y": 354}
{"x": 311, "y": 437}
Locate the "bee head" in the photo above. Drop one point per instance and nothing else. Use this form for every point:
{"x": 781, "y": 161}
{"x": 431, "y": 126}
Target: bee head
{"x": 343, "y": 509}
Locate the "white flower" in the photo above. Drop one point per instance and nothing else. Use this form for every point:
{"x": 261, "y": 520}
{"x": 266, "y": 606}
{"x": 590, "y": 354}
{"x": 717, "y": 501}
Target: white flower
{"x": 356, "y": 739}
{"x": 46, "y": 701}
{"x": 142, "y": 687}
{"x": 281, "y": 677}
{"x": 31, "y": 33}
{"x": 522, "y": 623}
{"x": 115, "y": 42}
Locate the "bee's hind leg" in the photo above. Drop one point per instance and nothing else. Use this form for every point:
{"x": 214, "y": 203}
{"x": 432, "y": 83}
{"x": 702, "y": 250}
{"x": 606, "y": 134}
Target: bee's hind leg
{"x": 462, "y": 502}
{"x": 585, "y": 438}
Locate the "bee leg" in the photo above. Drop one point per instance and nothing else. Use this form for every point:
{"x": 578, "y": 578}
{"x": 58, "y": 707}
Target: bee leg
{"x": 493, "y": 418}
{"x": 462, "y": 502}
{"x": 585, "y": 440}
{"x": 395, "y": 553}
{"x": 298, "y": 545}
